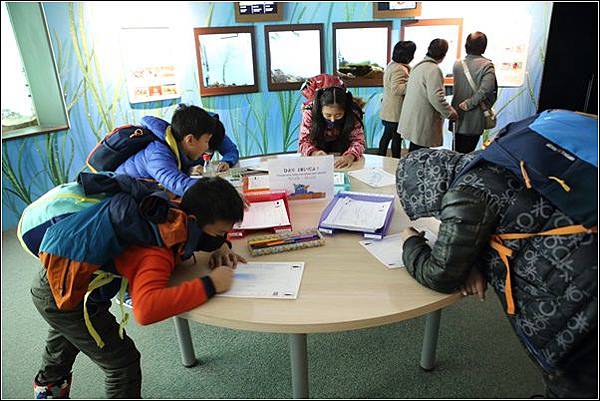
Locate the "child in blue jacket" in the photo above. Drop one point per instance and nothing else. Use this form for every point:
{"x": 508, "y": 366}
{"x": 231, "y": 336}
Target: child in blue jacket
{"x": 192, "y": 132}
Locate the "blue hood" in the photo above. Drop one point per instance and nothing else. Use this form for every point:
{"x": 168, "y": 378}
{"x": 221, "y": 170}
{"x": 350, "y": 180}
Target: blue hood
{"x": 157, "y": 125}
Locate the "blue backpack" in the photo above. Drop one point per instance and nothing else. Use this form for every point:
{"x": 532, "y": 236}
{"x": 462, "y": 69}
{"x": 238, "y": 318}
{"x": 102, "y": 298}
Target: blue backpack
{"x": 556, "y": 154}
{"x": 123, "y": 142}
{"x": 118, "y": 146}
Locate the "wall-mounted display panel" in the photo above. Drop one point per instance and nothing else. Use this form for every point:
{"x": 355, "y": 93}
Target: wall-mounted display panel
{"x": 258, "y": 11}
{"x": 361, "y": 51}
{"x": 226, "y": 60}
{"x": 508, "y": 47}
{"x": 422, "y": 32}
{"x": 294, "y": 54}
{"x": 147, "y": 55}
{"x": 396, "y": 9}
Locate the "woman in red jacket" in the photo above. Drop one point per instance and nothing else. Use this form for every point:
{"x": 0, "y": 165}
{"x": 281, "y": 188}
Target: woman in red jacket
{"x": 333, "y": 124}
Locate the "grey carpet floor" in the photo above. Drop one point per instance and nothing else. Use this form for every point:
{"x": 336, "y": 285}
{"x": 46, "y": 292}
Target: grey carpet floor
{"x": 478, "y": 355}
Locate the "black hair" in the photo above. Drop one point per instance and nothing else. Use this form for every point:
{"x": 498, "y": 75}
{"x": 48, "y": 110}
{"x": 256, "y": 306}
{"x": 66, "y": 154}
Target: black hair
{"x": 329, "y": 97}
{"x": 437, "y": 49}
{"x": 191, "y": 120}
{"x": 217, "y": 137}
{"x": 404, "y": 51}
{"x": 212, "y": 199}
{"x": 476, "y": 43}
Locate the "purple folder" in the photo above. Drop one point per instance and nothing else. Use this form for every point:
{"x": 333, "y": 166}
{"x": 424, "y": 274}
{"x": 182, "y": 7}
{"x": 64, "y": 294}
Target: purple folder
{"x": 379, "y": 234}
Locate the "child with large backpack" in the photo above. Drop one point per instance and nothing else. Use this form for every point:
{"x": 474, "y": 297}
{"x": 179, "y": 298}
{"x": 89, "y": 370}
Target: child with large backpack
{"x": 165, "y": 152}
{"x": 331, "y": 121}
{"x": 521, "y": 215}
{"x": 109, "y": 229}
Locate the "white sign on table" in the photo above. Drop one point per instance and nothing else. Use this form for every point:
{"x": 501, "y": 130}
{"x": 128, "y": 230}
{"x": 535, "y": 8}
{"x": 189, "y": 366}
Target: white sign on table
{"x": 303, "y": 177}
{"x": 279, "y": 280}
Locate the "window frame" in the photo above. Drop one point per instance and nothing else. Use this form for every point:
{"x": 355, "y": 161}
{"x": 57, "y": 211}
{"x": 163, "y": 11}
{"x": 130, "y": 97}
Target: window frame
{"x": 29, "y": 24}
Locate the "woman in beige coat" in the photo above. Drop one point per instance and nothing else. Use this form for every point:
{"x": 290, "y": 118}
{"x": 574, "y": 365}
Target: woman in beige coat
{"x": 425, "y": 106}
{"x": 395, "y": 78}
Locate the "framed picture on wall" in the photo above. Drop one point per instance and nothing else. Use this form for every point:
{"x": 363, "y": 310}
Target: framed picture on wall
{"x": 258, "y": 11}
{"x": 361, "y": 65}
{"x": 422, "y": 32}
{"x": 294, "y": 54}
{"x": 396, "y": 9}
{"x": 226, "y": 60}
{"x": 147, "y": 55}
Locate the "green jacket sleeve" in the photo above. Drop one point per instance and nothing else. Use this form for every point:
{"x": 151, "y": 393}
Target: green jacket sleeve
{"x": 467, "y": 223}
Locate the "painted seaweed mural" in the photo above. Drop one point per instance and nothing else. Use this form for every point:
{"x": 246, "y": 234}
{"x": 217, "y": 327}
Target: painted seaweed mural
{"x": 264, "y": 122}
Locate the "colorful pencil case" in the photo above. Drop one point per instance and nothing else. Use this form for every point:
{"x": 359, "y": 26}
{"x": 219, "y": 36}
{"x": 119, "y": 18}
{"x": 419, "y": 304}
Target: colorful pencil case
{"x": 283, "y": 242}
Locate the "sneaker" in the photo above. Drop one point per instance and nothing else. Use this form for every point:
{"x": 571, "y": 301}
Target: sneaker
{"x": 59, "y": 389}
{"x": 127, "y": 301}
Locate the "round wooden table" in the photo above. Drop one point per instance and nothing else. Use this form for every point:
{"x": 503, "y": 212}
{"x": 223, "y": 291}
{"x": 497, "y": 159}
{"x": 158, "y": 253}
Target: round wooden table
{"x": 343, "y": 287}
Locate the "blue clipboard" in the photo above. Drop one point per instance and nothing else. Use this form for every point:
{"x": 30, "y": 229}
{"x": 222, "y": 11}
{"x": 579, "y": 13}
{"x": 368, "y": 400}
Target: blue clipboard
{"x": 361, "y": 196}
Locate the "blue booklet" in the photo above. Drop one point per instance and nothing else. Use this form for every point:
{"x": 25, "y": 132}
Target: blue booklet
{"x": 368, "y": 213}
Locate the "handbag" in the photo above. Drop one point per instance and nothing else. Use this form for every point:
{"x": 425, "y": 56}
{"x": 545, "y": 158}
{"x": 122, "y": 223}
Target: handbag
{"x": 489, "y": 114}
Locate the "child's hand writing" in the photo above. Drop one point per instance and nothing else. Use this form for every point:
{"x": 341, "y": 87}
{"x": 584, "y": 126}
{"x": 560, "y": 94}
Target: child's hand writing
{"x": 222, "y": 277}
{"x": 225, "y": 257}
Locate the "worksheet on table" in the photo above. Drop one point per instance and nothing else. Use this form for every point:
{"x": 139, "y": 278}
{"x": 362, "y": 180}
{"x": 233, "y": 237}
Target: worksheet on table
{"x": 258, "y": 182}
{"x": 389, "y": 250}
{"x": 374, "y": 177}
{"x": 279, "y": 280}
{"x": 356, "y": 214}
{"x": 264, "y": 215}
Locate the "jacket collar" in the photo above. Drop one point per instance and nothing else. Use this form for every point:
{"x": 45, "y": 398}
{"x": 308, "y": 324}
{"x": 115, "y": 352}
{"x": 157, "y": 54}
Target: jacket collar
{"x": 173, "y": 145}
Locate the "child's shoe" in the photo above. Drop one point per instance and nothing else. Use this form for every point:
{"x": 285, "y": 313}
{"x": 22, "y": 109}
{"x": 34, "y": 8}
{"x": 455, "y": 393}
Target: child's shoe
{"x": 59, "y": 389}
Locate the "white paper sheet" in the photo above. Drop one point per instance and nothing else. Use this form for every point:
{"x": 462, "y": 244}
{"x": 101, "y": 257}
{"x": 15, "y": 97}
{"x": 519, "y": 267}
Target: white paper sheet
{"x": 279, "y": 280}
{"x": 356, "y": 214}
{"x": 258, "y": 182}
{"x": 389, "y": 250}
{"x": 374, "y": 177}
{"x": 264, "y": 215}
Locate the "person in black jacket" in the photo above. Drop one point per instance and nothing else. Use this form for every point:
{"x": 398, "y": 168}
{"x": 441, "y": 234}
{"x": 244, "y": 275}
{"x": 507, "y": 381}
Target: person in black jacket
{"x": 554, "y": 279}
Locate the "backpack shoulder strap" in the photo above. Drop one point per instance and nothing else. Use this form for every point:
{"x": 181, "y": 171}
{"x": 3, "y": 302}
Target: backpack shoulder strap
{"x": 468, "y": 75}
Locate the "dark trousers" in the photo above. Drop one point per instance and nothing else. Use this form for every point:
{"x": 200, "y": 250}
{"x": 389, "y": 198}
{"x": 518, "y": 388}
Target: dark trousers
{"x": 68, "y": 335}
{"x": 390, "y": 134}
{"x": 413, "y": 146}
{"x": 465, "y": 143}
{"x": 580, "y": 377}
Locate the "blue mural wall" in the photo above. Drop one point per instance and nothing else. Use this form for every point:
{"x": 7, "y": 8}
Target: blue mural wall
{"x": 87, "y": 50}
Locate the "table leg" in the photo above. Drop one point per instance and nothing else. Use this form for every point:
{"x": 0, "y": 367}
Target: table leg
{"x": 182, "y": 328}
{"x": 299, "y": 365}
{"x": 432, "y": 327}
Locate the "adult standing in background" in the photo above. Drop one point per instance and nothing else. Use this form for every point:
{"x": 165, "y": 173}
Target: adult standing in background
{"x": 468, "y": 102}
{"x": 395, "y": 78}
{"x": 425, "y": 106}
